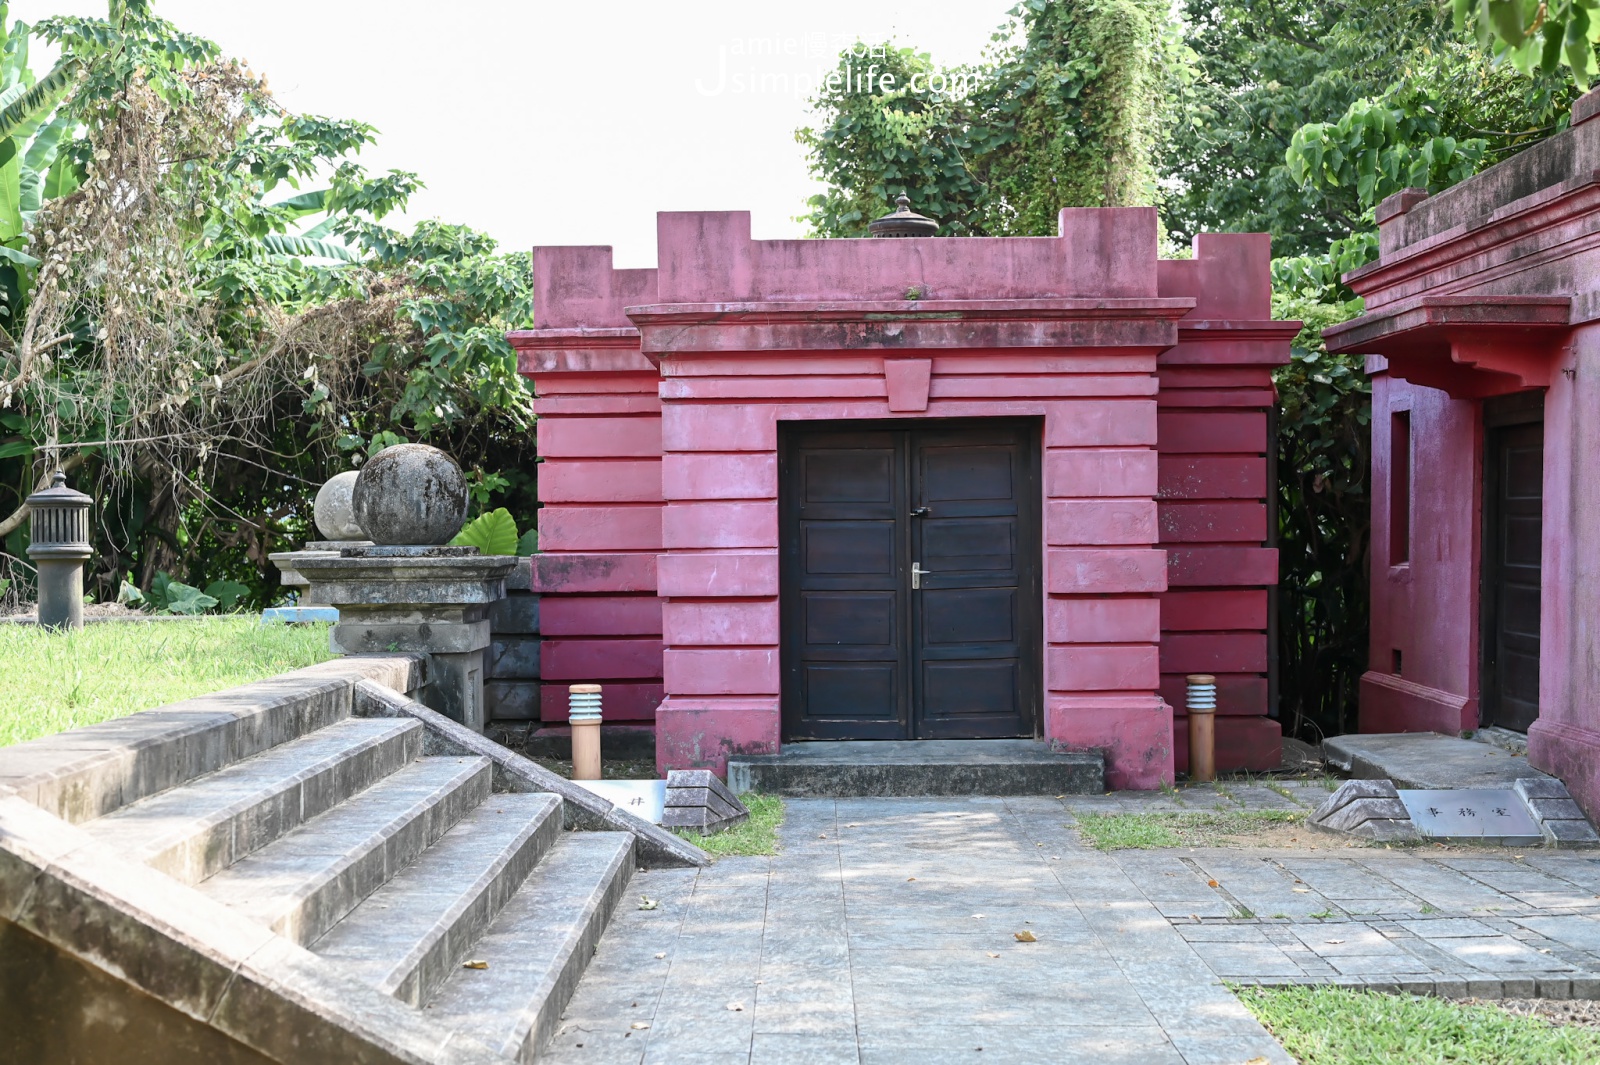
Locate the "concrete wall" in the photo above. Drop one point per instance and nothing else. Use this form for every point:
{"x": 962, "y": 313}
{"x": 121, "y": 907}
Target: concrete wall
{"x": 658, "y": 430}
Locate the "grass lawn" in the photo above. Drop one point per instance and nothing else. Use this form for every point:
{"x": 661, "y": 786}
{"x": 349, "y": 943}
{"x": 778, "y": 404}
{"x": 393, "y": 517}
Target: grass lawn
{"x": 58, "y": 681}
{"x": 1338, "y": 1026}
{"x": 757, "y": 836}
{"x": 1112, "y": 832}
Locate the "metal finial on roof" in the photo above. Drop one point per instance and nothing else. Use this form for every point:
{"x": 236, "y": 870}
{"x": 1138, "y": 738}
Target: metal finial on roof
{"x": 903, "y": 222}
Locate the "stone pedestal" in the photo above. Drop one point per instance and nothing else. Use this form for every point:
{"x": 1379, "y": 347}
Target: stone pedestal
{"x": 430, "y": 599}
{"x": 288, "y": 563}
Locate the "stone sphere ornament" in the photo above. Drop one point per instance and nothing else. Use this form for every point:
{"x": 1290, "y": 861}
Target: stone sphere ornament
{"x": 410, "y": 495}
{"x": 335, "y": 509}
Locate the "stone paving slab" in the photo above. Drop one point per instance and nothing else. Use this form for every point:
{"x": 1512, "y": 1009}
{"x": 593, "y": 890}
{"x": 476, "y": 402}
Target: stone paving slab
{"x": 884, "y": 931}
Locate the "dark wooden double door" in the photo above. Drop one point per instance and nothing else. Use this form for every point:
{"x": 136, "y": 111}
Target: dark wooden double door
{"x": 1513, "y": 542}
{"x": 910, "y": 580}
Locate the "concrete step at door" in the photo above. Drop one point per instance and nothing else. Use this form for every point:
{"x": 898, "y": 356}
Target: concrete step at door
{"x": 537, "y": 949}
{"x": 410, "y": 934}
{"x": 200, "y": 828}
{"x": 303, "y": 883}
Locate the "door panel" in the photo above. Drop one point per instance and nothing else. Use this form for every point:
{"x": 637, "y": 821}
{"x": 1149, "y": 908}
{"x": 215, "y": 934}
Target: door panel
{"x": 866, "y": 655}
{"x": 1514, "y": 500}
{"x": 844, "y": 611}
{"x": 968, "y": 642}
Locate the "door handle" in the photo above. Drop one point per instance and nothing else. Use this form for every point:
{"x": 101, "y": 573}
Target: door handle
{"x": 917, "y": 573}
{"x": 922, "y": 512}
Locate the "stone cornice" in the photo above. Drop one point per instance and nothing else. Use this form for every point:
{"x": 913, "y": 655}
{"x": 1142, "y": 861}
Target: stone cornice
{"x": 683, "y": 330}
{"x": 1228, "y": 329}
{"x": 1480, "y": 238}
{"x": 1422, "y": 325}
{"x": 1468, "y": 346}
{"x": 543, "y": 351}
{"x": 910, "y": 310}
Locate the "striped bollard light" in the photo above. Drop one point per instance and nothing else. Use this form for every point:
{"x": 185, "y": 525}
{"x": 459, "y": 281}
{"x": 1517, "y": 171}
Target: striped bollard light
{"x": 1202, "y": 706}
{"x": 583, "y": 714}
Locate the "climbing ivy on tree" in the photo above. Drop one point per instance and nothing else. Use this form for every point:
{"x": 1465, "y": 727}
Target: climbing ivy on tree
{"x": 1066, "y": 111}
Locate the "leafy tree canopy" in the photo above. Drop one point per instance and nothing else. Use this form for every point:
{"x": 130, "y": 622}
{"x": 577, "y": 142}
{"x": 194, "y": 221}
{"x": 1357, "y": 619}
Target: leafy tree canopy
{"x": 1066, "y": 110}
{"x": 1301, "y": 115}
{"x": 203, "y": 311}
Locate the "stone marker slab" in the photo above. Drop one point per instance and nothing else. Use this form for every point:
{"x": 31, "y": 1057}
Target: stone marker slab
{"x": 1489, "y": 815}
{"x": 642, "y": 798}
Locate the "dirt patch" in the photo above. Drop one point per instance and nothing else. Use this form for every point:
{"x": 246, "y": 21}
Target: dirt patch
{"x": 610, "y": 769}
{"x": 1579, "y": 1013}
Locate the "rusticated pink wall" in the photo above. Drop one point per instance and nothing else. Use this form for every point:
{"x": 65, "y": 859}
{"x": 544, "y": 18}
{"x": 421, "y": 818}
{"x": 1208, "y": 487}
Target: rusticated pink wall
{"x": 1565, "y": 740}
{"x": 1216, "y": 392}
{"x": 1087, "y": 332}
{"x": 1427, "y": 606}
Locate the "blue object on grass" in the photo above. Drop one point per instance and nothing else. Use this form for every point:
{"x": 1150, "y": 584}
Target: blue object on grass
{"x": 293, "y": 614}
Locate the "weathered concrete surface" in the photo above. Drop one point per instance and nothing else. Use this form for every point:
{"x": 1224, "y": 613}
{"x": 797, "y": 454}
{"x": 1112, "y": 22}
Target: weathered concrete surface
{"x": 539, "y": 947}
{"x": 918, "y": 767}
{"x": 432, "y": 600}
{"x": 1427, "y": 760}
{"x": 59, "y": 1008}
{"x": 1367, "y": 808}
{"x": 90, "y": 771}
{"x": 216, "y": 843}
{"x": 697, "y": 799}
{"x": 884, "y": 932}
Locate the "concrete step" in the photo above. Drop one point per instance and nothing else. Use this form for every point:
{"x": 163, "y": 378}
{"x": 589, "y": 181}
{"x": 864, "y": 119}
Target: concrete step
{"x": 855, "y": 768}
{"x": 197, "y": 829}
{"x": 1426, "y": 760}
{"x": 302, "y": 884}
{"x": 537, "y": 949}
{"x": 408, "y": 937}
{"x": 88, "y": 772}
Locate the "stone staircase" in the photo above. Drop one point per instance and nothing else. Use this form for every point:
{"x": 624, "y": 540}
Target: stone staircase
{"x": 312, "y": 884}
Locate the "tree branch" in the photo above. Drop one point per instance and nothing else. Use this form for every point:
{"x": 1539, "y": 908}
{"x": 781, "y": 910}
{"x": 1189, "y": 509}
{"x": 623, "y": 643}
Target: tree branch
{"x": 20, "y": 515}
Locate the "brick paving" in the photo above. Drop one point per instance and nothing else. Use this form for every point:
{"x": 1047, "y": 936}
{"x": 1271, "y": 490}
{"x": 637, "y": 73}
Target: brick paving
{"x": 885, "y": 931}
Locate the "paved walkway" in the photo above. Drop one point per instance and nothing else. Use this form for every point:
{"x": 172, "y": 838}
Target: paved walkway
{"x": 886, "y": 929}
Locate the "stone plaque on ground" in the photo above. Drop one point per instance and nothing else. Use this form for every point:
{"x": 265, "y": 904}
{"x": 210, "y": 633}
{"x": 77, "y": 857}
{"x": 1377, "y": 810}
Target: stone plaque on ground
{"x": 641, "y": 798}
{"x": 1492, "y": 815}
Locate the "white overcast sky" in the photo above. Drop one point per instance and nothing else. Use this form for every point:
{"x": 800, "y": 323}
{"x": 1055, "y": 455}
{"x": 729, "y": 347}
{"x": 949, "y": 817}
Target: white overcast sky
{"x": 571, "y": 122}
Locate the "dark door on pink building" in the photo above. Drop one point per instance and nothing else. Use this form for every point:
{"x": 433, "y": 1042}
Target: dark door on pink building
{"x": 1513, "y": 525}
{"x": 910, "y": 580}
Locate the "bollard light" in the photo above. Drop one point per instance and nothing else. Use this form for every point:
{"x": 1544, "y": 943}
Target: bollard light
{"x": 59, "y": 546}
{"x": 1202, "y": 706}
{"x": 583, "y": 714}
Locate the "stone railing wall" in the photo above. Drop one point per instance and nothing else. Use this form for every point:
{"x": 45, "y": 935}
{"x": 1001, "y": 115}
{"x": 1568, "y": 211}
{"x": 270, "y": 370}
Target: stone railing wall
{"x": 511, "y": 693}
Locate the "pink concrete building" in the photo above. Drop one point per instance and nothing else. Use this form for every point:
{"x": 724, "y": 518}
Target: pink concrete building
{"x": 910, "y": 488}
{"x": 1483, "y": 345}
